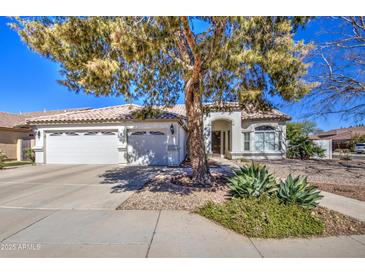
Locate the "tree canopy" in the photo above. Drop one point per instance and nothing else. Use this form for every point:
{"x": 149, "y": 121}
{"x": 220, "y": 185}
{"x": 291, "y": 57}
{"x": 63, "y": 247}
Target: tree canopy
{"x": 153, "y": 57}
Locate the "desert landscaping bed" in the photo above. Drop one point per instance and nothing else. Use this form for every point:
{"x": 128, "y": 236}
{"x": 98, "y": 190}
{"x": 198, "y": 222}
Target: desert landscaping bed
{"x": 168, "y": 191}
{"x": 346, "y": 178}
{"x": 336, "y": 224}
{"x": 351, "y": 191}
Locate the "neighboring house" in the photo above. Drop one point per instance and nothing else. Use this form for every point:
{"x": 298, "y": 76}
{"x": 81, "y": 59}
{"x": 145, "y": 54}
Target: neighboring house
{"x": 116, "y": 135}
{"x": 342, "y": 137}
{"x": 14, "y": 131}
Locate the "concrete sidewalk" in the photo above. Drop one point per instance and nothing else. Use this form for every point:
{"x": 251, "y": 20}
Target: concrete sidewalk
{"x": 141, "y": 233}
{"x": 344, "y": 205}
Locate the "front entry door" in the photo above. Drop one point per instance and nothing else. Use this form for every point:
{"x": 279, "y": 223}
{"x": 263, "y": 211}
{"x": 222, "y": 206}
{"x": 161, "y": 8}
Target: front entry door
{"x": 216, "y": 142}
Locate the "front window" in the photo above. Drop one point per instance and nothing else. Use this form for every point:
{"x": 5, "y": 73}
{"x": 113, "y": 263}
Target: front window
{"x": 246, "y": 137}
{"x": 265, "y": 138}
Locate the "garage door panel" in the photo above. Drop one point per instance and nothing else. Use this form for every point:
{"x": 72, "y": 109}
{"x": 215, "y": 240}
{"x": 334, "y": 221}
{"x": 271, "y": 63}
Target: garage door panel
{"x": 81, "y": 149}
{"x": 147, "y": 148}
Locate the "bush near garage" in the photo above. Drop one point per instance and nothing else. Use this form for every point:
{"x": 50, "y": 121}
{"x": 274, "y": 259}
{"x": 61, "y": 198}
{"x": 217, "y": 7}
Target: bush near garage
{"x": 3, "y": 157}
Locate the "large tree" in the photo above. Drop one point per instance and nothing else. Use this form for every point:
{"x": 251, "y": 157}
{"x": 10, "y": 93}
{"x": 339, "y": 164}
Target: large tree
{"x": 160, "y": 58}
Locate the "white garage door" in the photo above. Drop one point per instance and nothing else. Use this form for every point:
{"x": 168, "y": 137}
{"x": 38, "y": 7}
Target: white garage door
{"x": 147, "y": 147}
{"x": 94, "y": 147}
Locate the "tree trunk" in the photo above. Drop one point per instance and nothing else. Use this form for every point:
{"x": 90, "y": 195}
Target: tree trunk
{"x": 196, "y": 147}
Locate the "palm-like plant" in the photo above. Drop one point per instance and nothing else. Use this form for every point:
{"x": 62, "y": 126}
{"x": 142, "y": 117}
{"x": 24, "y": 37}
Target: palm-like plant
{"x": 252, "y": 181}
{"x": 297, "y": 190}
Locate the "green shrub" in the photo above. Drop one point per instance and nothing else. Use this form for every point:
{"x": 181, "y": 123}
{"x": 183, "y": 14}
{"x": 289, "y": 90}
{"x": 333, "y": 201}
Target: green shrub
{"x": 29, "y": 154}
{"x": 298, "y": 191}
{"x": 264, "y": 217}
{"x": 299, "y": 144}
{"x": 252, "y": 181}
{"x": 2, "y": 159}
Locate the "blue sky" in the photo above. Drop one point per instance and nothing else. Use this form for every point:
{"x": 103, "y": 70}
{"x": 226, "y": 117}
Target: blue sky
{"x": 28, "y": 82}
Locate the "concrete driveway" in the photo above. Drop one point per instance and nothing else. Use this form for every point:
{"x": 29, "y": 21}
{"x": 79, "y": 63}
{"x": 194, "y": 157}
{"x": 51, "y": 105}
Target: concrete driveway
{"x": 93, "y": 187}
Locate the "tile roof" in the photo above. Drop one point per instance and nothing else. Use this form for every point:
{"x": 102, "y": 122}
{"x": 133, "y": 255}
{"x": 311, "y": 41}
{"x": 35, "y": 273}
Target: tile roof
{"x": 114, "y": 113}
{"x": 11, "y": 120}
{"x": 130, "y": 112}
{"x": 249, "y": 113}
{"x": 341, "y": 133}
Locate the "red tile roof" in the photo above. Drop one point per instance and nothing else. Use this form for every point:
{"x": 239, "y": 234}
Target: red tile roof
{"x": 128, "y": 112}
{"x": 11, "y": 120}
{"x": 341, "y": 133}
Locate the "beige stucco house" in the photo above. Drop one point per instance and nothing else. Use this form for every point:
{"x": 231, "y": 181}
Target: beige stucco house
{"x": 115, "y": 135}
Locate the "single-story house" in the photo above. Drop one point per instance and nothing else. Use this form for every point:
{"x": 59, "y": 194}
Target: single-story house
{"x": 116, "y": 135}
{"x": 342, "y": 137}
{"x": 15, "y": 135}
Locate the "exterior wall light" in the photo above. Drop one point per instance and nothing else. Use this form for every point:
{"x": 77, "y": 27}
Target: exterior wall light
{"x": 38, "y": 134}
{"x": 172, "y": 129}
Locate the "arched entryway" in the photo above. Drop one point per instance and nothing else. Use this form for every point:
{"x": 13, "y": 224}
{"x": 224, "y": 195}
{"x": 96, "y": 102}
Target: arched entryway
{"x": 221, "y": 137}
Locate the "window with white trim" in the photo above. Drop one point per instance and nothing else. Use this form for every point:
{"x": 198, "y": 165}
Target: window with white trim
{"x": 71, "y": 133}
{"x": 55, "y": 134}
{"x": 280, "y": 140}
{"x": 246, "y": 141}
{"x": 90, "y": 133}
{"x": 139, "y": 133}
{"x": 107, "y": 133}
{"x": 156, "y": 133}
{"x": 265, "y": 138}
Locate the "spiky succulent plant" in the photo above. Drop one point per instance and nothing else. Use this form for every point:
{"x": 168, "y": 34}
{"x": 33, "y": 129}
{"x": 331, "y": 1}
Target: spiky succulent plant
{"x": 297, "y": 190}
{"x": 252, "y": 181}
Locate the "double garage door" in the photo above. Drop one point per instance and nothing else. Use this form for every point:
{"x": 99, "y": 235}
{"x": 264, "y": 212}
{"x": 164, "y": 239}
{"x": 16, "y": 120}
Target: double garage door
{"x": 101, "y": 147}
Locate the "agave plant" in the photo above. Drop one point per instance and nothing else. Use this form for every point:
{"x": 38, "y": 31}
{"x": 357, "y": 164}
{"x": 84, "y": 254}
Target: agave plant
{"x": 297, "y": 190}
{"x": 252, "y": 181}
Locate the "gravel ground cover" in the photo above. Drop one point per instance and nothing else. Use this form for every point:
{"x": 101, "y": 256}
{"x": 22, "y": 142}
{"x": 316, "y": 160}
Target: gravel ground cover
{"x": 170, "y": 189}
{"x": 346, "y": 178}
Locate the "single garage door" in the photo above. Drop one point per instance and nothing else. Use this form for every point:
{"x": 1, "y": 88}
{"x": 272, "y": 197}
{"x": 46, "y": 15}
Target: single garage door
{"x": 94, "y": 147}
{"x": 147, "y": 147}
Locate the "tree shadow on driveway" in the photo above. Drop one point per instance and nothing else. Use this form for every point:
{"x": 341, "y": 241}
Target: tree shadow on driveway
{"x": 158, "y": 179}
{"x": 129, "y": 178}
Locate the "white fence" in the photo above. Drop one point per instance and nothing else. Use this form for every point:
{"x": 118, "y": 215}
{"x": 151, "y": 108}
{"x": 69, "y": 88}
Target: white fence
{"x": 327, "y": 146}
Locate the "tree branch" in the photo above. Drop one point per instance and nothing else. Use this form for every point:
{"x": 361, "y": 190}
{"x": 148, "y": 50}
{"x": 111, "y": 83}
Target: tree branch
{"x": 192, "y": 44}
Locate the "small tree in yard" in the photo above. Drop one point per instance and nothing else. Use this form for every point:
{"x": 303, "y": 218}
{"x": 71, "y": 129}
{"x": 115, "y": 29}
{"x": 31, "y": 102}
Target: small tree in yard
{"x": 29, "y": 154}
{"x": 157, "y": 59}
{"x": 2, "y": 159}
{"x": 299, "y": 144}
